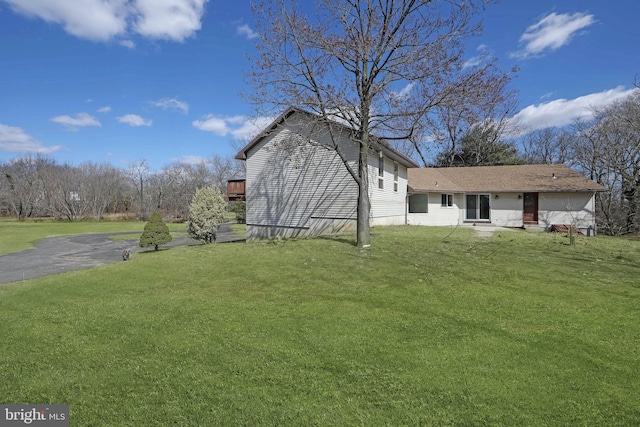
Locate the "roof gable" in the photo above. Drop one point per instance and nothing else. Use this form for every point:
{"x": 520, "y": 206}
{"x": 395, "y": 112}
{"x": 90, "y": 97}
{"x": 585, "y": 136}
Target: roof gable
{"x": 384, "y": 146}
{"x": 494, "y": 179}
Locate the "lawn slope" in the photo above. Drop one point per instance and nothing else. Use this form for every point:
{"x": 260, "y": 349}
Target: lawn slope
{"x": 430, "y": 327}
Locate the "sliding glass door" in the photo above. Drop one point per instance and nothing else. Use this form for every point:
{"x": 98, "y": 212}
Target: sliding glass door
{"x": 478, "y": 207}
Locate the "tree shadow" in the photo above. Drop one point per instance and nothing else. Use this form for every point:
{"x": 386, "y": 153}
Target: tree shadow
{"x": 298, "y": 186}
{"x": 340, "y": 239}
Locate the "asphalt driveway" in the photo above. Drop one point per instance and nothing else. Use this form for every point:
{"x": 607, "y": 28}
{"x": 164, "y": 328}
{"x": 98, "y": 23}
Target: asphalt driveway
{"x": 55, "y": 255}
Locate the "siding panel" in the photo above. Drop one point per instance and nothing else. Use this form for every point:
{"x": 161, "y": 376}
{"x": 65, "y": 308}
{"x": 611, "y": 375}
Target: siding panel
{"x": 290, "y": 181}
{"x": 388, "y": 207}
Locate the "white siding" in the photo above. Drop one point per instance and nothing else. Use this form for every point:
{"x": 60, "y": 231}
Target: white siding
{"x": 298, "y": 188}
{"x": 506, "y": 210}
{"x": 566, "y": 208}
{"x": 388, "y": 206}
{"x": 437, "y": 214}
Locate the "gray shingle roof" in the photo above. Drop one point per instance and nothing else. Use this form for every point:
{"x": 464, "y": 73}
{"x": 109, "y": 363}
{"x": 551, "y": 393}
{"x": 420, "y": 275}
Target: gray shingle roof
{"x": 494, "y": 179}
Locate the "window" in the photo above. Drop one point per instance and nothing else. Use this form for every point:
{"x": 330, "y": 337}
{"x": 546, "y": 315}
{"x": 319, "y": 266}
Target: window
{"x": 447, "y": 200}
{"x": 395, "y": 176}
{"x": 419, "y": 203}
{"x": 380, "y": 170}
{"x": 478, "y": 207}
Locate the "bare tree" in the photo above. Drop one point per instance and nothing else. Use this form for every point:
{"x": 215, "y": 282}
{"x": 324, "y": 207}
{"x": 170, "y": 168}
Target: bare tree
{"x": 478, "y": 102}
{"x": 24, "y": 185}
{"x": 175, "y": 185}
{"x": 548, "y": 146}
{"x": 103, "y": 184}
{"x": 377, "y": 66}
{"x": 70, "y": 199}
{"x": 223, "y": 168}
{"x": 608, "y": 151}
{"x": 139, "y": 173}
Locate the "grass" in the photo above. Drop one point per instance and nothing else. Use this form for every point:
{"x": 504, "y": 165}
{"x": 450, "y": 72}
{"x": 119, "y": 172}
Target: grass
{"x": 239, "y": 229}
{"x": 427, "y": 328}
{"x": 21, "y": 235}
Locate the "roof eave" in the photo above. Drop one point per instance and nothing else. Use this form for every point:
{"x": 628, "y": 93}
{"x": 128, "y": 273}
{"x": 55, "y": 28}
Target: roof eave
{"x": 242, "y": 154}
{"x": 387, "y": 149}
{"x": 476, "y": 191}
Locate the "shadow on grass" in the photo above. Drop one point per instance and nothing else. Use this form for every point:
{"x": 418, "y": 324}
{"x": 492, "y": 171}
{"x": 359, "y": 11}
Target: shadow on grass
{"x": 341, "y": 239}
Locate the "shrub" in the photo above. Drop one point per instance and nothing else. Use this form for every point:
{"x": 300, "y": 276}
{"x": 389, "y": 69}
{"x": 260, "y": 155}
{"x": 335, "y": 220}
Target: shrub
{"x": 155, "y": 233}
{"x": 206, "y": 212}
{"x": 240, "y": 208}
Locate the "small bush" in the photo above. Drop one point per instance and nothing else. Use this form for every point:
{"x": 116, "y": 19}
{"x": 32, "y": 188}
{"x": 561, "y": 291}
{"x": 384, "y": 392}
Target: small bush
{"x": 206, "y": 212}
{"x": 240, "y": 208}
{"x": 155, "y": 233}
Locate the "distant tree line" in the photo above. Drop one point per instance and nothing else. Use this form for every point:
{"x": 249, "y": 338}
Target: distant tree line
{"x": 37, "y": 186}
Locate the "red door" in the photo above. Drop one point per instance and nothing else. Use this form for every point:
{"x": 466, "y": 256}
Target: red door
{"x": 530, "y": 209}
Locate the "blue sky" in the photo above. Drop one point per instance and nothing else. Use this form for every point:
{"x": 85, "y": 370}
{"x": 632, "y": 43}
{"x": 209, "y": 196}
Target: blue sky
{"x": 125, "y": 80}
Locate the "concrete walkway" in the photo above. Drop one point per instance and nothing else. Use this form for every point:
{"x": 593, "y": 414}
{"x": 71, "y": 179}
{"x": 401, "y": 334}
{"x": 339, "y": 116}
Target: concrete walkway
{"x": 487, "y": 230}
{"x": 55, "y": 255}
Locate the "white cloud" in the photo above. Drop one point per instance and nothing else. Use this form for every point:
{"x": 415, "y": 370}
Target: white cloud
{"x": 213, "y": 124}
{"x": 15, "y": 140}
{"x": 562, "y": 112}
{"x": 102, "y": 20}
{"x": 127, "y": 43}
{"x": 474, "y": 61}
{"x": 134, "y": 120}
{"x": 171, "y": 104}
{"x": 89, "y": 19}
{"x": 547, "y": 95}
{"x": 240, "y": 127}
{"x": 551, "y": 33}
{"x": 168, "y": 19}
{"x": 191, "y": 160}
{"x": 104, "y": 109}
{"x": 245, "y": 30}
{"x": 251, "y": 127}
{"x": 405, "y": 91}
{"x": 80, "y": 120}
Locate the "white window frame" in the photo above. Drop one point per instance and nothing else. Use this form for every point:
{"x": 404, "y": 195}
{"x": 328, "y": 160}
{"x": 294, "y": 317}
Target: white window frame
{"x": 446, "y": 200}
{"x": 380, "y": 170}
{"x": 396, "y": 173}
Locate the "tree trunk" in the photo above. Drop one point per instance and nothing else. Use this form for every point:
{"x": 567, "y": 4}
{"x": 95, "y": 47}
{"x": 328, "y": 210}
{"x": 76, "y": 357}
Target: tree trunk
{"x": 363, "y": 236}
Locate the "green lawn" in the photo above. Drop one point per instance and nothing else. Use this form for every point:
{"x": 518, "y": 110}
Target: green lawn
{"x": 427, "y": 328}
{"x": 239, "y": 229}
{"x": 20, "y": 235}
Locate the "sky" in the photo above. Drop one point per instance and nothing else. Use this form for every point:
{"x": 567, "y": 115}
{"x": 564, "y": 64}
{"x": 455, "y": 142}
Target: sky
{"x": 121, "y": 81}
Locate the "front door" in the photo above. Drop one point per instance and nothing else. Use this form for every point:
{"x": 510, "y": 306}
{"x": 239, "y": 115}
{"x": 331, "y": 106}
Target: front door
{"x": 530, "y": 209}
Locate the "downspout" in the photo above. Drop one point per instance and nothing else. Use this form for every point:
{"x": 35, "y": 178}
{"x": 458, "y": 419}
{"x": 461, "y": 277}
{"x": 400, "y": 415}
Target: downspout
{"x": 406, "y": 208}
{"x": 593, "y": 209}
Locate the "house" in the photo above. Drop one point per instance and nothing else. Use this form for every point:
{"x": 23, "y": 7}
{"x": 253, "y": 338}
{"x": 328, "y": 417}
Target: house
{"x": 297, "y": 183}
{"x": 531, "y": 196}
